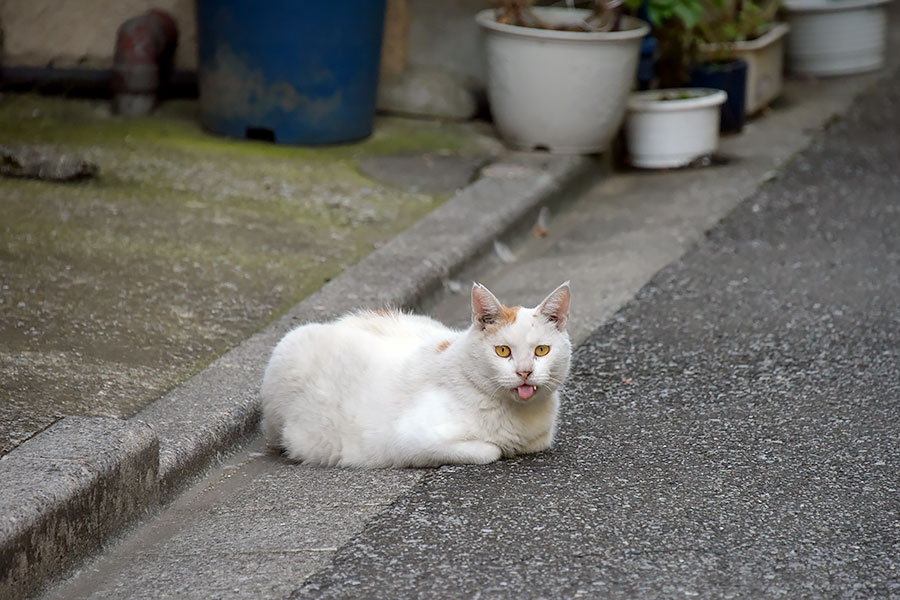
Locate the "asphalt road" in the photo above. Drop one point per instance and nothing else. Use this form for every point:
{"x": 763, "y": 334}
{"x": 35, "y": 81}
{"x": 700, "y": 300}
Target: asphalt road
{"x": 734, "y": 431}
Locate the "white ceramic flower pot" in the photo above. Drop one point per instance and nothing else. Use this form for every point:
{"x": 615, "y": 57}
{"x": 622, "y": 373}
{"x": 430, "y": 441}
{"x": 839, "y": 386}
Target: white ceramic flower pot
{"x": 836, "y": 37}
{"x": 765, "y": 65}
{"x": 666, "y": 133}
{"x": 562, "y": 91}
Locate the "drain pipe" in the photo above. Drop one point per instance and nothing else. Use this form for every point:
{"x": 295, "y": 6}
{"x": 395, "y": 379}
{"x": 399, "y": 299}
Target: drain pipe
{"x": 142, "y": 64}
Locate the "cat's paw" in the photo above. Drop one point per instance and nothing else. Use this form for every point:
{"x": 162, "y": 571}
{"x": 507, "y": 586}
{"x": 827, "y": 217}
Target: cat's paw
{"x": 539, "y": 444}
{"x": 474, "y": 452}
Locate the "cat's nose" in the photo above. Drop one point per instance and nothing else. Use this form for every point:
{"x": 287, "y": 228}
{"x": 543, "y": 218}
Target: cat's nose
{"x": 523, "y": 374}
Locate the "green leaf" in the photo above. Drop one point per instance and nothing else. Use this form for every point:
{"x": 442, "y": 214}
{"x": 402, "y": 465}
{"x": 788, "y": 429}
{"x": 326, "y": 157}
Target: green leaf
{"x": 687, "y": 14}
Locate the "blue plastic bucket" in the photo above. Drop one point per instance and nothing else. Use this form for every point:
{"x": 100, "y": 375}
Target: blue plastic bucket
{"x": 289, "y": 71}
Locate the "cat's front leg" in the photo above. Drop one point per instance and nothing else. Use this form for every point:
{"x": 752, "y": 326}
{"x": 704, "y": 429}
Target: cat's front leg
{"x": 469, "y": 452}
{"x": 540, "y": 443}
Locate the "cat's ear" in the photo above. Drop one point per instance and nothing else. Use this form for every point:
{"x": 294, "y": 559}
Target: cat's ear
{"x": 486, "y": 309}
{"x": 555, "y": 307}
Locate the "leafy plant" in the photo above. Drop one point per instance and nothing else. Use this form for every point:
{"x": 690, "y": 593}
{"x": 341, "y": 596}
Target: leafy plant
{"x": 675, "y": 29}
{"x": 728, "y": 21}
{"x": 681, "y": 27}
{"x": 667, "y": 13}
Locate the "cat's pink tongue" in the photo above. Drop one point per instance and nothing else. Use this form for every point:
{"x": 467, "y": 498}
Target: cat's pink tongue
{"x": 525, "y": 391}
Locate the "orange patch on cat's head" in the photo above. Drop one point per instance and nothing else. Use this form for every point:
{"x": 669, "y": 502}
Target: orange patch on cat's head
{"x": 443, "y": 345}
{"x": 507, "y": 317}
{"x": 509, "y": 314}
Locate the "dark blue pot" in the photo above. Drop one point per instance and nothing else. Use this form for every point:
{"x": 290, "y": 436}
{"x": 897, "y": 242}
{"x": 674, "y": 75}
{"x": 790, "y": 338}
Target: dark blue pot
{"x": 729, "y": 76}
{"x": 289, "y": 71}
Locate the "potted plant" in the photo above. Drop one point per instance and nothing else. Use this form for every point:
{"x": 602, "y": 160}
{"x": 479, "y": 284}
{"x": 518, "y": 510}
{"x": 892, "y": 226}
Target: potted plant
{"x": 558, "y": 78}
{"x": 674, "y": 25}
{"x": 719, "y": 44}
{"x": 672, "y": 127}
{"x": 677, "y": 28}
{"x": 836, "y": 37}
{"x": 747, "y": 30}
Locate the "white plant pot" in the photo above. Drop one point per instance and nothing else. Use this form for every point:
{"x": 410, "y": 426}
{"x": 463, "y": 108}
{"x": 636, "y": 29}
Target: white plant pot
{"x": 562, "y": 91}
{"x": 836, "y": 37}
{"x": 672, "y": 133}
{"x": 765, "y": 65}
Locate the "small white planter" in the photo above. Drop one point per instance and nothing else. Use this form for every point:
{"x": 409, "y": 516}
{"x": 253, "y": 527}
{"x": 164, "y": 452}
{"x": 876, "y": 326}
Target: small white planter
{"x": 562, "y": 91}
{"x": 836, "y": 37}
{"x": 765, "y": 65}
{"x": 663, "y": 133}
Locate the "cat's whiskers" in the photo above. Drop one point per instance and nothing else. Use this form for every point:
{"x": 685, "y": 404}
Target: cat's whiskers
{"x": 556, "y": 380}
{"x": 497, "y": 389}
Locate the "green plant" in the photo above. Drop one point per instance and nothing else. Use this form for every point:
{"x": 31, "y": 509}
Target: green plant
{"x": 728, "y": 21}
{"x": 675, "y": 29}
{"x": 682, "y": 27}
{"x": 725, "y": 22}
{"x": 668, "y": 13}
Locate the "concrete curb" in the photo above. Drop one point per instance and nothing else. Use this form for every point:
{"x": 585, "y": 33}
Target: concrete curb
{"x": 71, "y": 487}
{"x": 66, "y": 490}
{"x": 219, "y": 407}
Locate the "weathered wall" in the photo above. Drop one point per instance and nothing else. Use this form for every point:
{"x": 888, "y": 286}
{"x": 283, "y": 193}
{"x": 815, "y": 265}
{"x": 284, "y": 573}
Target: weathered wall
{"x": 82, "y": 33}
{"x": 431, "y": 48}
{"x": 443, "y": 34}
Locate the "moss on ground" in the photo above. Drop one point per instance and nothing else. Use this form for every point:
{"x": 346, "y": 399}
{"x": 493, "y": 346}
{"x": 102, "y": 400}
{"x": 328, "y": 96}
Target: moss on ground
{"x": 118, "y": 288}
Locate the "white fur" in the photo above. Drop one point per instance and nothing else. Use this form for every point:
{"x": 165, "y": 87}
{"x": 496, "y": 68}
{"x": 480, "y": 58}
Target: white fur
{"x": 375, "y": 389}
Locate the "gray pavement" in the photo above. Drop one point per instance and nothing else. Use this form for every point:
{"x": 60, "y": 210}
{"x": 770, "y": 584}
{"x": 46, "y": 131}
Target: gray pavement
{"x": 734, "y": 431}
{"x": 658, "y": 449}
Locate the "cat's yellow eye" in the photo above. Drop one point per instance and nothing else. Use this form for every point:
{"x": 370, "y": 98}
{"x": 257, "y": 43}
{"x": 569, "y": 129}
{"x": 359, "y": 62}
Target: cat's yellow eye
{"x": 541, "y": 350}
{"x": 502, "y": 351}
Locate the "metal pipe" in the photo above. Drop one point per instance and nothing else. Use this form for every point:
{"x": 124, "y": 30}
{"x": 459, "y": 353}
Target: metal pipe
{"x": 142, "y": 63}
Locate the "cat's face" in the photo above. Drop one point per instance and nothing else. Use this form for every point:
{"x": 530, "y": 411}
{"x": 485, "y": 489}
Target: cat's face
{"x": 522, "y": 353}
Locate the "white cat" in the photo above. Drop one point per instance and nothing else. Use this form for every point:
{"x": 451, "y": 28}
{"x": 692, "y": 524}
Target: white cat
{"x": 388, "y": 389}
